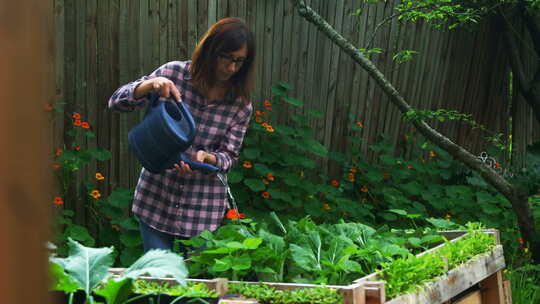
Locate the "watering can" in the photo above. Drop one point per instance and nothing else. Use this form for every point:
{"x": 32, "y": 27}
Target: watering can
{"x": 161, "y": 138}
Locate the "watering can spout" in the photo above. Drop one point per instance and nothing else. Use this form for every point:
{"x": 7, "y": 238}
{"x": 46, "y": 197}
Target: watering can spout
{"x": 161, "y": 138}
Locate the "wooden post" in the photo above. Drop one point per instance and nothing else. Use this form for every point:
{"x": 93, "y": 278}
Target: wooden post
{"x": 492, "y": 289}
{"x": 353, "y": 294}
{"x": 26, "y": 86}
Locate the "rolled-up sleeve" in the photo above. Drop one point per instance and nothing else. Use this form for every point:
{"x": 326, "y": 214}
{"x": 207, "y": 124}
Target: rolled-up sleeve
{"x": 229, "y": 149}
{"x": 123, "y": 100}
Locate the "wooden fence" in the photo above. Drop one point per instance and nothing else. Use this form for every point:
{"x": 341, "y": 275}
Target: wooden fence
{"x": 103, "y": 44}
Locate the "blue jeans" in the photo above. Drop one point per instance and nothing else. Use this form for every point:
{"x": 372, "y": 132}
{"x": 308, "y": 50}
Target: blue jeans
{"x": 153, "y": 239}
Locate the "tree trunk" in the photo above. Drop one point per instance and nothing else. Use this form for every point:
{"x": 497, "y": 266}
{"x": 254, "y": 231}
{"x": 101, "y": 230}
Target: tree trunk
{"x": 513, "y": 194}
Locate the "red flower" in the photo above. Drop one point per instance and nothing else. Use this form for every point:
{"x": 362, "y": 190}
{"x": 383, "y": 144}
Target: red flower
{"x": 360, "y": 124}
{"x": 48, "y": 107}
{"x": 265, "y": 194}
{"x": 334, "y": 183}
{"x": 58, "y": 200}
{"x": 233, "y": 214}
{"x": 85, "y": 125}
{"x": 77, "y": 123}
{"x": 78, "y": 148}
{"x": 76, "y": 116}
{"x": 58, "y": 152}
{"x": 247, "y": 164}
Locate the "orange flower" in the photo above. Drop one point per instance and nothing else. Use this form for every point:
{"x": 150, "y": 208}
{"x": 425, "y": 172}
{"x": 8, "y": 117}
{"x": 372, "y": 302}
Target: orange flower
{"x": 270, "y": 177}
{"x": 351, "y": 177}
{"x": 386, "y": 175}
{"x": 270, "y": 129}
{"x": 268, "y": 109}
{"x": 432, "y": 154}
{"x": 58, "y": 152}
{"x": 406, "y": 138}
{"x": 334, "y": 183}
{"x": 76, "y": 116}
{"x": 267, "y": 103}
{"x": 497, "y": 165}
{"x": 95, "y": 194}
{"x": 326, "y": 207}
{"x": 56, "y": 166}
{"x": 48, "y": 107}
{"x": 58, "y": 200}
{"x": 258, "y": 119}
{"x": 99, "y": 176}
{"x": 85, "y": 125}
{"x": 266, "y": 182}
{"x": 521, "y": 241}
{"x": 78, "y": 148}
{"x": 77, "y": 123}
{"x": 364, "y": 200}
{"x": 264, "y": 124}
{"x": 409, "y": 167}
{"x": 265, "y": 194}
{"x": 258, "y": 113}
{"x": 233, "y": 214}
{"x": 247, "y": 164}
{"x": 364, "y": 189}
{"x": 116, "y": 227}
{"x": 360, "y": 124}
{"x": 353, "y": 170}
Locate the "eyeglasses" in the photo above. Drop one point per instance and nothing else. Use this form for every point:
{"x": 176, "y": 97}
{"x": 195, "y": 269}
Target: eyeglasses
{"x": 228, "y": 59}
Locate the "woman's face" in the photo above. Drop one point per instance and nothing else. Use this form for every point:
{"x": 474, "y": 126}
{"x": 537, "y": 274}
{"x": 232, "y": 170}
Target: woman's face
{"x": 230, "y": 63}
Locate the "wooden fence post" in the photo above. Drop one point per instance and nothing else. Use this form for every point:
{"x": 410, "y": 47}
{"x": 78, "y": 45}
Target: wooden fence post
{"x": 26, "y": 86}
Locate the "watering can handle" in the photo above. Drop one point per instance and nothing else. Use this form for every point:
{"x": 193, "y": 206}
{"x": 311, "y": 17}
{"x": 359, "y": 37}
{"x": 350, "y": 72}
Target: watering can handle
{"x": 205, "y": 168}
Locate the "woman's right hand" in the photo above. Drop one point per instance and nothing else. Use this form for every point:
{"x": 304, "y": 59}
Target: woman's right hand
{"x": 161, "y": 85}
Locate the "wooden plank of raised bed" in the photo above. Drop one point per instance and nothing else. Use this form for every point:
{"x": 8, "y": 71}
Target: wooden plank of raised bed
{"x": 457, "y": 280}
{"x": 472, "y": 298}
{"x": 492, "y": 289}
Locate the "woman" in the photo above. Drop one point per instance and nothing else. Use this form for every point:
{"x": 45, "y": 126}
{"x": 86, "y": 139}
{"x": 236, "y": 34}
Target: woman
{"x": 180, "y": 203}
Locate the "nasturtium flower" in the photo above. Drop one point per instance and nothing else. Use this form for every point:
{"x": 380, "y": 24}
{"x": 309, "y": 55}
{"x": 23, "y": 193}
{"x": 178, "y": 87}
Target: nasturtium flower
{"x": 95, "y": 194}
{"x": 265, "y": 181}
{"x": 267, "y": 103}
{"x": 116, "y": 227}
{"x": 99, "y": 176}
{"x": 360, "y": 124}
{"x": 85, "y": 125}
{"x": 247, "y": 164}
{"x": 352, "y": 170}
{"x": 334, "y": 183}
{"x": 364, "y": 189}
{"x": 270, "y": 177}
{"x": 77, "y": 123}
{"x": 58, "y": 200}
{"x": 48, "y": 107}
{"x": 265, "y": 194}
{"x": 432, "y": 154}
{"x": 78, "y": 148}
{"x": 56, "y": 166}
{"x": 233, "y": 214}
{"x": 326, "y": 207}
{"x": 258, "y": 119}
{"x": 351, "y": 177}
{"x": 409, "y": 167}
{"x": 497, "y": 164}
{"x": 258, "y": 113}
{"x": 76, "y": 116}
{"x": 270, "y": 129}
{"x": 58, "y": 152}
{"x": 264, "y": 124}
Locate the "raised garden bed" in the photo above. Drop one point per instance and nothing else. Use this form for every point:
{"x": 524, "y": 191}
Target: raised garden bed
{"x": 481, "y": 274}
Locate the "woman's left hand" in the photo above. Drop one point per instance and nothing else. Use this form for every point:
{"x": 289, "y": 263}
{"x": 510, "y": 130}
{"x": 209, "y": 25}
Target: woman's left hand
{"x": 201, "y": 156}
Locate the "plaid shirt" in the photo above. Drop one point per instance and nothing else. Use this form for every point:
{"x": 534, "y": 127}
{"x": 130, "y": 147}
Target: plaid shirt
{"x": 186, "y": 204}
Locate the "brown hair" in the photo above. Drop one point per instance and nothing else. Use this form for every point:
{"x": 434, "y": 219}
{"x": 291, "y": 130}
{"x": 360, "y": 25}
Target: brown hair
{"x": 226, "y": 35}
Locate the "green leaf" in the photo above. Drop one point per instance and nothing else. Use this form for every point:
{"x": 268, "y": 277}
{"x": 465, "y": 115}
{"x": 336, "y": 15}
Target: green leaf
{"x": 116, "y": 291}
{"x": 374, "y": 176}
{"x": 60, "y": 281}
{"x": 86, "y": 266}
{"x": 315, "y": 147}
{"x": 158, "y": 263}
{"x": 252, "y": 243}
{"x": 261, "y": 169}
{"x": 293, "y": 101}
{"x": 100, "y": 153}
{"x": 131, "y": 238}
{"x": 256, "y": 185}
{"x": 242, "y": 262}
{"x": 221, "y": 265}
{"x": 251, "y": 153}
